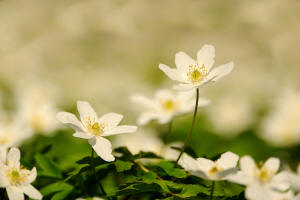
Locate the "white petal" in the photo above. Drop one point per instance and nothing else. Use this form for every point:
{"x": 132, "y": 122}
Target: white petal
{"x": 146, "y": 117}
{"x": 82, "y": 135}
{"x": 165, "y": 119}
{"x": 13, "y": 157}
{"x": 240, "y": 178}
{"x": 206, "y": 56}
{"x": 188, "y": 163}
{"x": 205, "y": 164}
{"x": 187, "y": 86}
{"x": 279, "y": 182}
{"x": 225, "y": 173}
{"x": 103, "y": 148}
{"x": 144, "y": 101}
{"x": 272, "y": 164}
{"x": 121, "y": 129}
{"x": 247, "y": 165}
{"x": 228, "y": 160}
{"x": 3, "y": 152}
{"x": 3, "y": 178}
{"x": 86, "y": 111}
{"x": 257, "y": 192}
{"x": 15, "y": 193}
{"x": 32, "y": 175}
{"x": 183, "y": 61}
{"x": 70, "y": 119}
{"x": 33, "y": 193}
{"x": 173, "y": 74}
{"x": 111, "y": 119}
{"x": 219, "y": 72}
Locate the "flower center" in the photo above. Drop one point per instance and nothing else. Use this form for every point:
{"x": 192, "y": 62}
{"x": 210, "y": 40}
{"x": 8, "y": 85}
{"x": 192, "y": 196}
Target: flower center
{"x": 263, "y": 174}
{"x": 169, "y": 105}
{"x": 215, "y": 169}
{"x": 196, "y": 73}
{"x": 96, "y": 128}
{"x": 16, "y": 177}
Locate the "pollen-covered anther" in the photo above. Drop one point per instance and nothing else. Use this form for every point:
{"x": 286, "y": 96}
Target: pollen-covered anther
{"x": 16, "y": 177}
{"x": 197, "y": 73}
{"x": 96, "y": 128}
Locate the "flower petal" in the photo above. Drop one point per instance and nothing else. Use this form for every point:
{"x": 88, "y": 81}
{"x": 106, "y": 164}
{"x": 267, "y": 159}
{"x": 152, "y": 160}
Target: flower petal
{"x": 183, "y": 61}
{"x": 82, "y": 135}
{"x": 33, "y": 193}
{"x": 219, "y": 72}
{"x": 240, "y": 178}
{"x": 3, "y": 178}
{"x": 188, "y": 163}
{"x": 225, "y": 173}
{"x": 279, "y": 182}
{"x": 257, "y": 192}
{"x": 187, "y": 86}
{"x": 13, "y": 157}
{"x": 146, "y": 117}
{"x": 15, "y": 193}
{"x": 121, "y": 129}
{"x": 111, "y": 119}
{"x": 32, "y": 176}
{"x": 86, "y": 111}
{"x": 228, "y": 160}
{"x": 173, "y": 74}
{"x": 205, "y": 164}
{"x": 272, "y": 164}
{"x": 70, "y": 119}
{"x": 144, "y": 101}
{"x": 247, "y": 165}
{"x": 103, "y": 148}
{"x": 206, "y": 56}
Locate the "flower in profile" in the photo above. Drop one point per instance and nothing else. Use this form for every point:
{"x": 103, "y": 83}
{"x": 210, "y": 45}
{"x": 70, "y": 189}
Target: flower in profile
{"x": 16, "y": 179}
{"x": 260, "y": 180}
{"x": 165, "y": 105}
{"x": 194, "y": 73}
{"x": 94, "y": 129}
{"x": 211, "y": 170}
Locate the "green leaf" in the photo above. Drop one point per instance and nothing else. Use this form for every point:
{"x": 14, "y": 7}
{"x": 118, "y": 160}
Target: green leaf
{"x": 61, "y": 195}
{"x": 190, "y": 191}
{"x": 170, "y": 169}
{"x": 126, "y": 154}
{"x": 87, "y": 160}
{"x": 56, "y": 187}
{"x": 146, "y": 155}
{"x": 48, "y": 167}
{"x": 123, "y": 165}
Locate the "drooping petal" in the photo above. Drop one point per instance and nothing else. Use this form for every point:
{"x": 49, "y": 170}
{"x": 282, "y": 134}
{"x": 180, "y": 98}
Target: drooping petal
{"x": 82, "y": 135}
{"x": 247, "y": 165}
{"x": 86, "y": 111}
{"x": 33, "y": 193}
{"x": 183, "y": 61}
{"x": 32, "y": 175}
{"x": 187, "y": 86}
{"x": 257, "y": 192}
{"x": 228, "y": 160}
{"x": 70, "y": 119}
{"x": 142, "y": 100}
{"x": 219, "y": 72}
{"x": 111, "y": 119}
{"x": 206, "y": 56}
{"x": 103, "y": 148}
{"x": 205, "y": 164}
{"x": 15, "y": 193}
{"x": 120, "y": 129}
{"x": 173, "y": 74}
{"x": 146, "y": 117}
{"x": 272, "y": 164}
{"x": 13, "y": 157}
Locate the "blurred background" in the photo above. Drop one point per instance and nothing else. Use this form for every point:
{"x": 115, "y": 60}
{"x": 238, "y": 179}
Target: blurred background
{"x": 53, "y": 53}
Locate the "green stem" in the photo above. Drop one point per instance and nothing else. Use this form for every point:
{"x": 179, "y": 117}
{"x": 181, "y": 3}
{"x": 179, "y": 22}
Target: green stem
{"x": 188, "y": 137}
{"x": 96, "y": 175}
{"x": 212, "y": 190}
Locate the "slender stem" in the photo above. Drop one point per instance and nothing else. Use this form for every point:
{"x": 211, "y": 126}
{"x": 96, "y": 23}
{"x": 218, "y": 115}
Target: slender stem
{"x": 189, "y": 134}
{"x": 96, "y": 175}
{"x": 212, "y": 190}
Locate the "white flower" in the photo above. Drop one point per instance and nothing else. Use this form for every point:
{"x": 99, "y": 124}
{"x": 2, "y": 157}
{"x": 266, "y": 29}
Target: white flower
{"x": 94, "y": 129}
{"x": 282, "y": 126}
{"x": 211, "y": 170}
{"x": 166, "y": 105}
{"x": 16, "y": 179}
{"x": 284, "y": 196}
{"x": 260, "y": 181}
{"x": 193, "y": 74}
{"x": 294, "y": 179}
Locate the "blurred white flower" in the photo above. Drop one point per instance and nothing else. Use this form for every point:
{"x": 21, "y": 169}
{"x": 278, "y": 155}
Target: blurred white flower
{"x": 293, "y": 179}
{"x": 211, "y": 170}
{"x": 284, "y": 196}
{"x": 166, "y": 105}
{"x": 193, "y": 74}
{"x": 260, "y": 181}
{"x": 169, "y": 153}
{"x": 282, "y": 126}
{"x": 94, "y": 129}
{"x": 16, "y": 179}
{"x": 230, "y": 116}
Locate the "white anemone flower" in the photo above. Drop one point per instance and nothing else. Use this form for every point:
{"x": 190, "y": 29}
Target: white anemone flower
{"x": 194, "y": 73}
{"x": 165, "y": 105}
{"x": 94, "y": 129}
{"x": 211, "y": 170}
{"x": 260, "y": 181}
{"x": 16, "y": 179}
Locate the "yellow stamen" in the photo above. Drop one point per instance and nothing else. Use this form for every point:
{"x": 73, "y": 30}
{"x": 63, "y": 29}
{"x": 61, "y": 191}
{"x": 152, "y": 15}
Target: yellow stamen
{"x": 95, "y": 127}
{"x": 196, "y": 73}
